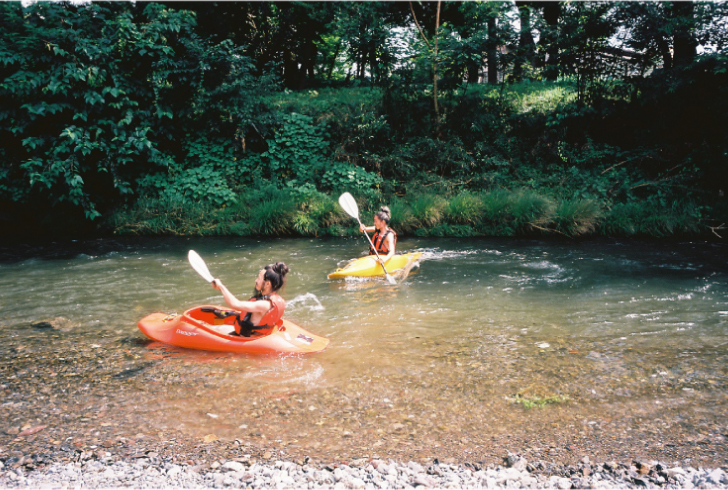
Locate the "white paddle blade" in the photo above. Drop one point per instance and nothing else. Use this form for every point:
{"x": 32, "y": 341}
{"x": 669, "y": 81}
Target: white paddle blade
{"x": 199, "y": 266}
{"x": 347, "y": 202}
{"x": 390, "y": 279}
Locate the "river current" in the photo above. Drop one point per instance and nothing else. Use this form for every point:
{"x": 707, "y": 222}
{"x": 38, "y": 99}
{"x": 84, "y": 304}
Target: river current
{"x": 488, "y": 344}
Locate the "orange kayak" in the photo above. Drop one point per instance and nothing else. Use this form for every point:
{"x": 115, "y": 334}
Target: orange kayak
{"x": 192, "y": 329}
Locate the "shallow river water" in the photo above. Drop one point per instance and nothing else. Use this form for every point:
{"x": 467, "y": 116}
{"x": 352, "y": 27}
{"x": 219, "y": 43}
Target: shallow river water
{"x": 614, "y": 349}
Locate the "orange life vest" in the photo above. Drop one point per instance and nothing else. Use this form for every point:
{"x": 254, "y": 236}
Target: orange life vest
{"x": 380, "y": 241}
{"x": 270, "y": 318}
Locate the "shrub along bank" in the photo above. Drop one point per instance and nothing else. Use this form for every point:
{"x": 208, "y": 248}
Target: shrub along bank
{"x": 515, "y": 160}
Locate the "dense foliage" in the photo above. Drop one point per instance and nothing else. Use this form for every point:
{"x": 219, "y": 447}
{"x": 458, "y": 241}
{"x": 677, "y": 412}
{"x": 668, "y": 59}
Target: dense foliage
{"x": 466, "y": 118}
{"x": 99, "y": 99}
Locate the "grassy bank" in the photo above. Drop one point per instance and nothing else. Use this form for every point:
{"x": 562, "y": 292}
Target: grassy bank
{"x": 283, "y": 212}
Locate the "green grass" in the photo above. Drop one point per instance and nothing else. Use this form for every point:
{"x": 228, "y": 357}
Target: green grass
{"x": 529, "y": 402}
{"x": 465, "y": 208}
{"x": 653, "y": 218}
{"x": 525, "y": 212}
{"x": 575, "y": 217}
{"x": 542, "y": 97}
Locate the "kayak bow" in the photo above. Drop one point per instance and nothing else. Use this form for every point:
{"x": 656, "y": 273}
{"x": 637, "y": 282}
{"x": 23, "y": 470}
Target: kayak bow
{"x": 368, "y": 266}
{"x": 192, "y": 330}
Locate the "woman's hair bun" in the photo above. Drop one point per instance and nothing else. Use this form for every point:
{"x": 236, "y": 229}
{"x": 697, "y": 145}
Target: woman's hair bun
{"x": 384, "y": 214}
{"x": 281, "y": 268}
{"x": 276, "y": 274}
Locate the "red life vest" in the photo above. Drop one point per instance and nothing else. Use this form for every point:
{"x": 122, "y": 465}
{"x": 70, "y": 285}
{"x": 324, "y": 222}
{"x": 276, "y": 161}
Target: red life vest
{"x": 380, "y": 241}
{"x": 275, "y": 313}
{"x": 271, "y": 318}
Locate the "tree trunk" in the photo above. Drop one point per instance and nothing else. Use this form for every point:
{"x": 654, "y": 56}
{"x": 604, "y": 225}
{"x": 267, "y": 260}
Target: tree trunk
{"x": 665, "y": 53}
{"x": 333, "y": 60}
{"x": 434, "y": 63}
{"x": 308, "y": 60}
{"x": 526, "y": 44}
{"x": 373, "y": 63}
{"x": 684, "y": 42}
{"x": 361, "y": 63}
{"x": 473, "y": 73}
{"x": 290, "y": 70}
{"x": 549, "y": 38}
{"x": 492, "y": 52}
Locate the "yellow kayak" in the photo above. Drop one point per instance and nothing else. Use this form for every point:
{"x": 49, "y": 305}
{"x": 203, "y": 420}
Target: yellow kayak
{"x": 368, "y": 266}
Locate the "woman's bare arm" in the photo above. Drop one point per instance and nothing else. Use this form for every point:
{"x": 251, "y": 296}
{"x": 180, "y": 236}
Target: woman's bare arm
{"x": 234, "y": 303}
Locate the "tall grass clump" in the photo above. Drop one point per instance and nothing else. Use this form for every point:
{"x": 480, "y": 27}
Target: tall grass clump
{"x": 319, "y": 213}
{"x": 497, "y": 206}
{"x": 465, "y": 208}
{"x": 403, "y": 219}
{"x": 653, "y": 218}
{"x": 273, "y": 214}
{"x": 169, "y": 214}
{"x": 428, "y": 209}
{"x": 531, "y": 211}
{"x": 575, "y": 217}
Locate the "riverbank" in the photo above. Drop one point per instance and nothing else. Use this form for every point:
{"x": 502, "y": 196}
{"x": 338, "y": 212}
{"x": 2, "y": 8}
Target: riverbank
{"x": 150, "y": 469}
{"x": 274, "y": 212}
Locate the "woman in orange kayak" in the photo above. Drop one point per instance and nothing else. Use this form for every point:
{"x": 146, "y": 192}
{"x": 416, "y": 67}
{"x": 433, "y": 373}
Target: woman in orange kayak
{"x": 264, "y": 310}
{"x": 384, "y": 238}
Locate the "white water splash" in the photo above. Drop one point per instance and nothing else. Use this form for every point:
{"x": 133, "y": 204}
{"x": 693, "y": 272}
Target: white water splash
{"x": 435, "y": 254}
{"x": 308, "y": 300}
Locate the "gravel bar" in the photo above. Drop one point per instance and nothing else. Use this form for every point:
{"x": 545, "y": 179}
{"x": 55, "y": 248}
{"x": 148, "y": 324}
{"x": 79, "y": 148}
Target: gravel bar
{"x": 95, "y": 470}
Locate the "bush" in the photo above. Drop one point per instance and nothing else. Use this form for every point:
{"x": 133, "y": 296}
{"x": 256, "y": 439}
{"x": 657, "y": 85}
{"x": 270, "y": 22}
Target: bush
{"x": 427, "y": 209}
{"x": 170, "y": 214}
{"x": 342, "y": 177}
{"x": 497, "y": 207}
{"x": 574, "y": 217}
{"x": 531, "y": 210}
{"x": 653, "y": 217}
{"x": 403, "y": 219}
{"x": 98, "y": 95}
{"x": 465, "y": 208}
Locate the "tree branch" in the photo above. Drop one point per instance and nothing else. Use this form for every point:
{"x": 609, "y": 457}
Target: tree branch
{"x": 719, "y": 227}
{"x": 418, "y": 26}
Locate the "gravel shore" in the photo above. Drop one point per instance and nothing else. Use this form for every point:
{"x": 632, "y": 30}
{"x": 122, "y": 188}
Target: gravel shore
{"x": 102, "y": 470}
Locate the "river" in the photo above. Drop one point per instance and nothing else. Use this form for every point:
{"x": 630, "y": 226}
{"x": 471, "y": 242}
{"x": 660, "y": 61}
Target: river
{"x": 557, "y": 349}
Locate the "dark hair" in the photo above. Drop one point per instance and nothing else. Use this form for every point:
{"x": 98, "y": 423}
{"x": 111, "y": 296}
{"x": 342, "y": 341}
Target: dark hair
{"x": 384, "y": 214}
{"x": 276, "y": 274}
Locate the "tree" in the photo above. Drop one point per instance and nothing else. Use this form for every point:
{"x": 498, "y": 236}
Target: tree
{"x": 432, "y": 48}
{"x": 583, "y": 40}
{"x": 549, "y": 38}
{"x": 365, "y": 28}
{"x": 526, "y": 50}
{"x": 279, "y": 36}
{"x": 684, "y": 42}
{"x": 95, "y": 96}
{"x": 470, "y": 37}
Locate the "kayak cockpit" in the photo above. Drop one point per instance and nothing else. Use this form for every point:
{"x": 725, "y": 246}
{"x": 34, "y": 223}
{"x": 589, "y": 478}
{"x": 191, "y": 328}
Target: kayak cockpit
{"x": 221, "y": 322}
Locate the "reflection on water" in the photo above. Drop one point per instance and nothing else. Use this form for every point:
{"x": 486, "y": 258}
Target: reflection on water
{"x": 617, "y": 327}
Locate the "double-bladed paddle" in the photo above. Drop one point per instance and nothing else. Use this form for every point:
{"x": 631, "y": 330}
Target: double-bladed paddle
{"x": 347, "y": 202}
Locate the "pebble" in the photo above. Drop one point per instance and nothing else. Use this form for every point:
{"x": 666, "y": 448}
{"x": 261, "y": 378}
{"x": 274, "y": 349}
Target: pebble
{"x": 517, "y": 472}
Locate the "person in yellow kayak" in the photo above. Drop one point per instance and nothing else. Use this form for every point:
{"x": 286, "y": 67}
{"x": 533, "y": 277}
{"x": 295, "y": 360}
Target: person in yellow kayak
{"x": 384, "y": 238}
{"x": 265, "y": 309}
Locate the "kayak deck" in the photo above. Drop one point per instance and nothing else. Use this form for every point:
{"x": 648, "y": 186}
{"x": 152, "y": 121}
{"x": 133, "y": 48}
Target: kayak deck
{"x": 194, "y": 330}
{"x": 368, "y": 266}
